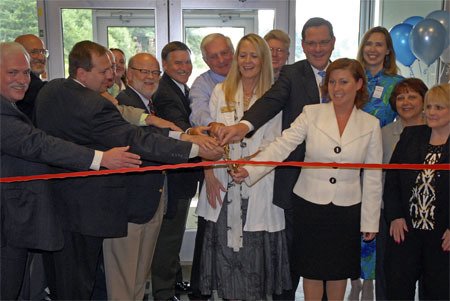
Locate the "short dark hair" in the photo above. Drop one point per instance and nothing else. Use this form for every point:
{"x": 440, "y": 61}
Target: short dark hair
{"x": 357, "y": 71}
{"x": 315, "y": 22}
{"x": 173, "y": 46}
{"x": 81, "y": 56}
{"x": 405, "y": 85}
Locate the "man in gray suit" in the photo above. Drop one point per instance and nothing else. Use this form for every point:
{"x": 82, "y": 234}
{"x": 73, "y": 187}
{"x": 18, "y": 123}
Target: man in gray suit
{"x": 96, "y": 208}
{"x": 28, "y": 218}
{"x": 297, "y": 86}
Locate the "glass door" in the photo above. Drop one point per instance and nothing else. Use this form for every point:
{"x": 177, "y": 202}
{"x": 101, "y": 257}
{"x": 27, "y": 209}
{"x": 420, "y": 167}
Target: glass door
{"x": 129, "y": 25}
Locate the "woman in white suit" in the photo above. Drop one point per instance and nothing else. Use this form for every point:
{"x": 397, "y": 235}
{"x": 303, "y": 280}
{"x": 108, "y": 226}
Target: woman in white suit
{"x": 333, "y": 207}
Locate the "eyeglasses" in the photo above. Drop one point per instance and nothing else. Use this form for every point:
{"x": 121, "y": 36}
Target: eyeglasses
{"x": 147, "y": 72}
{"x": 313, "y": 44}
{"x": 36, "y": 51}
{"x": 277, "y": 50}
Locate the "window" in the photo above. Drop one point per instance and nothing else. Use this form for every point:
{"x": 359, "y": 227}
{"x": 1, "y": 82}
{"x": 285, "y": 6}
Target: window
{"x": 344, "y": 16}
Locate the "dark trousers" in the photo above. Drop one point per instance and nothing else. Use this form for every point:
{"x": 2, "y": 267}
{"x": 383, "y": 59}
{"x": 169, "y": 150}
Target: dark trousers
{"x": 295, "y": 277}
{"x": 165, "y": 264}
{"x": 13, "y": 263}
{"x": 420, "y": 256}
{"x": 34, "y": 280}
{"x": 380, "y": 279}
{"x": 71, "y": 271}
{"x": 195, "y": 272}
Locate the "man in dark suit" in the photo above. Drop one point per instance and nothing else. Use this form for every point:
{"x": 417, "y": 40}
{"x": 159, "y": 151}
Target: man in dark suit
{"x": 28, "y": 217}
{"x": 172, "y": 103}
{"x": 38, "y": 60}
{"x": 95, "y": 208}
{"x": 128, "y": 259}
{"x": 297, "y": 86}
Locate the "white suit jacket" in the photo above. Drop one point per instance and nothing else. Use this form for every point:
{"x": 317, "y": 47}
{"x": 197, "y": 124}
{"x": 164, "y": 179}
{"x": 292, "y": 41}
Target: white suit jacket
{"x": 360, "y": 143}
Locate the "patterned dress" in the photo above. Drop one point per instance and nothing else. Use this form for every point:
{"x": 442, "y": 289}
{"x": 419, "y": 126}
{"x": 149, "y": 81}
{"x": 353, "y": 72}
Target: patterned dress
{"x": 378, "y": 104}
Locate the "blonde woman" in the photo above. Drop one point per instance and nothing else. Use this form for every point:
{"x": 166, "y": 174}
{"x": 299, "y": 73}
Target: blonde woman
{"x": 416, "y": 206}
{"x": 244, "y": 253}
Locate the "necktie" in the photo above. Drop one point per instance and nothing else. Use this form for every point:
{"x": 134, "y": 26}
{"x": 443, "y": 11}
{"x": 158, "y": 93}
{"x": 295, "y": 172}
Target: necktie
{"x": 186, "y": 92}
{"x": 151, "y": 107}
{"x": 322, "y": 74}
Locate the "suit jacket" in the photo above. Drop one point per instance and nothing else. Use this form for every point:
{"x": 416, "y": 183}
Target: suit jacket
{"x": 26, "y": 105}
{"x": 173, "y": 105}
{"x": 398, "y": 185}
{"x": 360, "y": 143}
{"x": 144, "y": 189}
{"x": 97, "y": 206}
{"x": 28, "y": 219}
{"x": 295, "y": 88}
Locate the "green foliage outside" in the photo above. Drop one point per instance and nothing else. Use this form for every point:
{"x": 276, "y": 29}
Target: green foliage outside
{"x": 17, "y": 17}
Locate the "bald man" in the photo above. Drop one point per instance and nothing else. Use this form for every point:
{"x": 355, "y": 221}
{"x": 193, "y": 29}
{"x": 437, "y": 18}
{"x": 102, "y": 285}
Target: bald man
{"x": 38, "y": 61}
{"x": 28, "y": 218}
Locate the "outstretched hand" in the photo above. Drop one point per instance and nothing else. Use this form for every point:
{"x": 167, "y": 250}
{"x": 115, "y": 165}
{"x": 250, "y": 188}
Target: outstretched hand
{"x": 119, "y": 157}
{"x": 232, "y": 133}
{"x": 162, "y": 123}
{"x": 239, "y": 174}
{"x": 199, "y": 130}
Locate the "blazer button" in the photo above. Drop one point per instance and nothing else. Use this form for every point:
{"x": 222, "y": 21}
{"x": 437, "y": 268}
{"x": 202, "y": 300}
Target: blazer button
{"x": 337, "y": 149}
{"x": 332, "y": 180}
{"x": 161, "y": 190}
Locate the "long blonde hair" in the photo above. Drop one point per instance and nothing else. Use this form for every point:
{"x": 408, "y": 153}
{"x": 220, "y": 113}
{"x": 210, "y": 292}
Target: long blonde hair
{"x": 231, "y": 82}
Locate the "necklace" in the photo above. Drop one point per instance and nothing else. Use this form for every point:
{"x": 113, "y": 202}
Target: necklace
{"x": 247, "y": 99}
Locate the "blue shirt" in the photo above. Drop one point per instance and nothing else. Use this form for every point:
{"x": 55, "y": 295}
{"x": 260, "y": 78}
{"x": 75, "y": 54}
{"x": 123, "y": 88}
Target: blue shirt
{"x": 200, "y": 94}
{"x": 378, "y": 105}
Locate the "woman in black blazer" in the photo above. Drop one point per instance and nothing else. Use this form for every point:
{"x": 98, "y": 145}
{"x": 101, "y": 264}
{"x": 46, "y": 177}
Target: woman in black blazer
{"x": 417, "y": 206}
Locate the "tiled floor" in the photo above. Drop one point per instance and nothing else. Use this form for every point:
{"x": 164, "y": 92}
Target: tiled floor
{"x": 187, "y": 271}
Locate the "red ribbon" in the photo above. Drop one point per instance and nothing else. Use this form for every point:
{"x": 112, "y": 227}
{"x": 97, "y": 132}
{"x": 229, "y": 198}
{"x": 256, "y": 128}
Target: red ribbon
{"x": 222, "y": 163}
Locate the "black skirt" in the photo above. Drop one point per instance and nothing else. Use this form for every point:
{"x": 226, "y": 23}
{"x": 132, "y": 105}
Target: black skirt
{"x": 326, "y": 240}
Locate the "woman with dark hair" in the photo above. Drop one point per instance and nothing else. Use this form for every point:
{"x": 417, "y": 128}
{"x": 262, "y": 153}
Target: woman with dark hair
{"x": 376, "y": 54}
{"x": 333, "y": 206}
{"x": 120, "y": 79}
{"x": 407, "y": 101}
{"x": 416, "y": 206}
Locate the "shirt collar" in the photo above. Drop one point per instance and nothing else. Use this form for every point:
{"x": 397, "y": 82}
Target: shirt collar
{"x": 144, "y": 99}
{"x": 217, "y": 78}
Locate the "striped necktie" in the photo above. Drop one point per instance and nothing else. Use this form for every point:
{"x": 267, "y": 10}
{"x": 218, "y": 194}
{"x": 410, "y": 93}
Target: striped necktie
{"x": 322, "y": 74}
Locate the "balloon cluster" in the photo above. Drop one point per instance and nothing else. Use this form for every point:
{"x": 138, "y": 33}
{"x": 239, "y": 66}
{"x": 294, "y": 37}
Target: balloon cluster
{"x": 421, "y": 38}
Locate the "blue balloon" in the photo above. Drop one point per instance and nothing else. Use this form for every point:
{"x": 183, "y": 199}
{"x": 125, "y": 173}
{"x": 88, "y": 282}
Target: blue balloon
{"x": 428, "y": 40}
{"x": 443, "y": 17}
{"x": 400, "y": 38}
{"x": 413, "y": 20}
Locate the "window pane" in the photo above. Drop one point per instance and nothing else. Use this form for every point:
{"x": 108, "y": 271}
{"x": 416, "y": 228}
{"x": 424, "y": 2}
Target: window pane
{"x": 132, "y": 40}
{"x": 344, "y": 18}
{"x": 77, "y": 26}
{"x": 17, "y": 17}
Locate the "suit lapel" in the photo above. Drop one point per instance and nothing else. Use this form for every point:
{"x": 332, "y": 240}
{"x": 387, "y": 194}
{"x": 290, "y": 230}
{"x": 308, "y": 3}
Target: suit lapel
{"x": 137, "y": 101}
{"x": 327, "y": 123}
{"x": 355, "y": 128}
{"x": 307, "y": 76}
{"x": 177, "y": 90}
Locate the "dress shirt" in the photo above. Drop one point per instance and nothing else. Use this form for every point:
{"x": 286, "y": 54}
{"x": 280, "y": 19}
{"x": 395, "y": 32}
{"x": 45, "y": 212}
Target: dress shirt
{"x": 319, "y": 79}
{"x": 200, "y": 95}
